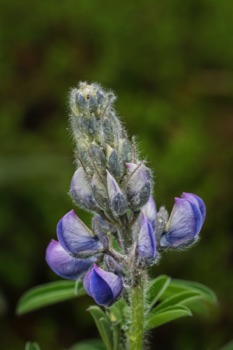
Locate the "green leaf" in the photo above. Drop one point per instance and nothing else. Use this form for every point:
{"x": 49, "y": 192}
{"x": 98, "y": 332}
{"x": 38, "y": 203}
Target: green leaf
{"x": 157, "y": 287}
{"x": 103, "y": 324}
{"x": 94, "y": 344}
{"x": 117, "y": 311}
{"x": 204, "y": 290}
{"x": 47, "y": 294}
{"x": 166, "y": 315}
{"x": 32, "y": 346}
{"x": 177, "y": 285}
{"x": 178, "y": 299}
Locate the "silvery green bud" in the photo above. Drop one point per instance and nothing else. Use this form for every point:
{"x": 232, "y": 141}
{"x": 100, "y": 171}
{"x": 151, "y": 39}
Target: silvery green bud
{"x": 108, "y": 131}
{"x": 125, "y": 150}
{"x": 98, "y": 157}
{"x": 139, "y": 185}
{"x": 99, "y": 192}
{"x": 98, "y": 230}
{"x": 114, "y": 165}
{"x": 112, "y": 265}
{"x": 117, "y": 200}
{"x": 100, "y": 225}
{"x": 162, "y": 219}
{"x": 83, "y": 157}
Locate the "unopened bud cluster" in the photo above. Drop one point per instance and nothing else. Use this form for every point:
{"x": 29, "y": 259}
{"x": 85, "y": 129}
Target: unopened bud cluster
{"x": 116, "y": 186}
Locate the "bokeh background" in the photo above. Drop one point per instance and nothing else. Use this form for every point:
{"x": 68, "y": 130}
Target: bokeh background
{"x": 170, "y": 63}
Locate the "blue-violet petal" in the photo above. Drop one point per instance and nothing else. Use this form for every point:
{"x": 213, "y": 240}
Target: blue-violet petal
{"x": 63, "y": 264}
{"x": 74, "y": 236}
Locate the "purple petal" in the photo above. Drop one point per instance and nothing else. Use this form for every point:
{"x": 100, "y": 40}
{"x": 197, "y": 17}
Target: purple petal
{"x": 184, "y": 223}
{"x": 63, "y": 264}
{"x": 146, "y": 240}
{"x": 74, "y": 236}
{"x": 113, "y": 187}
{"x": 81, "y": 191}
{"x": 103, "y": 286}
{"x": 198, "y": 201}
{"x": 149, "y": 210}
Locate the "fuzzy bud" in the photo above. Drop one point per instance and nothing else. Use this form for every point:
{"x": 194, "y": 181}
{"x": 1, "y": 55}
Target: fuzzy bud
{"x": 81, "y": 192}
{"x": 117, "y": 200}
{"x": 99, "y": 192}
{"x": 185, "y": 222}
{"x": 139, "y": 185}
{"x": 103, "y": 286}
{"x": 114, "y": 165}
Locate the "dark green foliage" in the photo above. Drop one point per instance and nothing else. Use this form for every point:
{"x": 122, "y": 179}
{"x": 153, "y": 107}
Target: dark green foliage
{"x": 170, "y": 63}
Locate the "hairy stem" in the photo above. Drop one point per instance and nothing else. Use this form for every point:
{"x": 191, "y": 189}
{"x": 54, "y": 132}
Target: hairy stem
{"x": 135, "y": 335}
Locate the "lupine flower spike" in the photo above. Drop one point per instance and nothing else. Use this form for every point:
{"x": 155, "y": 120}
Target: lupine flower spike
{"x": 116, "y": 186}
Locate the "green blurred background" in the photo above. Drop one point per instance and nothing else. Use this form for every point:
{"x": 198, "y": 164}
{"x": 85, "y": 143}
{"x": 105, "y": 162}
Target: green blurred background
{"x": 170, "y": 63}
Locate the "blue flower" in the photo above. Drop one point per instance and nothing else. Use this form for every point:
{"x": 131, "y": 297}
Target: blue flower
{"x": 185, "y": 222}
{"x": 75, "y": 252}
{"x": 63, "y": 264}
{"x": 103, "y": 286}
{"x": 75, "y": 237}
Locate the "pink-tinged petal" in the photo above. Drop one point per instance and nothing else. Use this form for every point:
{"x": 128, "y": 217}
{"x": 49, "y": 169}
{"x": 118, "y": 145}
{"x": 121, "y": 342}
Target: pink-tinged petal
{"x": 63, "y": 264}
{"x": 74, "y": 236}
{"x": 103, "y": 286}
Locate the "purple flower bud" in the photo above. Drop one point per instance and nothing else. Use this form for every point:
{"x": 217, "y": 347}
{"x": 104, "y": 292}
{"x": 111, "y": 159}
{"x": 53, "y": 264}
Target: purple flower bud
{"x": 149, "y": 210}
{"x": 196, "y": 200}
{"x": 117, "y": 200}
{"x": 81, "y": 191}
{"x": 63, "y": 264}
{"x": 146, "y": 239}
{"x": 139, "y": 186}
{"x": 185, "y": 222}
{"x": 103, "y": 286}
{"x": 75, "y": 237}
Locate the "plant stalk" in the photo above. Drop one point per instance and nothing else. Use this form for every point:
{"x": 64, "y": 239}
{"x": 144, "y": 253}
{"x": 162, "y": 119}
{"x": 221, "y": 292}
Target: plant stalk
{"x": 135, "y": 335}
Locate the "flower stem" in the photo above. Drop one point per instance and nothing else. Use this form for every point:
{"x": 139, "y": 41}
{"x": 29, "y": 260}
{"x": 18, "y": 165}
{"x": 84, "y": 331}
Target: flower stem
{"x": 135, "y": 335}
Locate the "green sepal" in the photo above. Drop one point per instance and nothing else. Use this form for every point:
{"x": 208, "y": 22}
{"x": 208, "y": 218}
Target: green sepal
{"x": 32, "y": 346}
{"x": 103, "y": 324}
{"x": 166, "y": 315}
{"x": 48, "y": 294}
